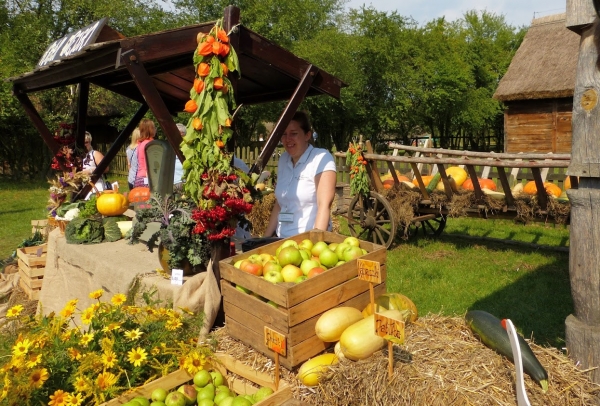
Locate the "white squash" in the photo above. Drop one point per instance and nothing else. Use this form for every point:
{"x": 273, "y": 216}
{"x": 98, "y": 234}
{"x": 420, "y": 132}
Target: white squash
{"x": 315, "y": 369}
{"x": 333, "y": 322}
{"x": 359, "y": 341}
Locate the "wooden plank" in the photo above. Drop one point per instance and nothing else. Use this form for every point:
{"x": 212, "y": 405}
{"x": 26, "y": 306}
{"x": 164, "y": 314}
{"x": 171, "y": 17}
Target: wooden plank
{"x": 501, "y": 156}
{"x": 510, "y": 200}
{"x": 541, "y": 190}
{"x": 417, "y": 175}
{"x": 33, "y": 294}
{"x": 476, "y": 186}
{"x": 32, "y": 283}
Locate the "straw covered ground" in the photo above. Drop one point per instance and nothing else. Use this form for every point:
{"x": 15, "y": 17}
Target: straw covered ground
{"x": 440, "y": 363}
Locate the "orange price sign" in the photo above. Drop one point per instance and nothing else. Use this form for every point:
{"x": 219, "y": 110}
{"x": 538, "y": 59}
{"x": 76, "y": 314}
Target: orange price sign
{"x": 275, "y": 341}
{"x": 390, "y": 329}
{"x": 369, "y": 271}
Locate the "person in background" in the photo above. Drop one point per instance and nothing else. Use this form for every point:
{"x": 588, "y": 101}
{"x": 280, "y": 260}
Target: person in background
{"x": 306, "y": 178}
{"x": 178, "y": 176}
{"x": 147, "y": 133}
{"x": 132, "y": 162}
{"x": 91, "y": 161}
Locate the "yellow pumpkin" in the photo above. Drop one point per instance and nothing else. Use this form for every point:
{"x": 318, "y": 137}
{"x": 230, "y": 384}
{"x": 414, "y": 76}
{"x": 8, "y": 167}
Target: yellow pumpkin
{"x": 333, "y": 322}
{"x": 531, "y": 189}
{"x": 315, "y": 369}
{"x": 112, "y": 203}
{"x": 426, "y": 180}
{"x": 458, "y": 174}
{"x": 394, "y": 301}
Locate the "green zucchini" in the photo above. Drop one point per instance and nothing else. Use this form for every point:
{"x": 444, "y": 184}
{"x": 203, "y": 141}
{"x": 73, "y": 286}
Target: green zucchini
{"x": 490, "y": 331}
{"x": 433, "y": 182}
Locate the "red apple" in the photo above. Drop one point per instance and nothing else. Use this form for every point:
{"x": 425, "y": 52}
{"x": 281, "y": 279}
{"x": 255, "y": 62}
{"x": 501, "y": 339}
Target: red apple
{"x": 272, "y": 265}
{"x": 309, "y": 264}
{"x": 318, "y": 247}
{"x": 290, "y": 273}
{"x": 314, "y": 272}
{"x": 253, "y": 266}
{"x": 264, "y": 258}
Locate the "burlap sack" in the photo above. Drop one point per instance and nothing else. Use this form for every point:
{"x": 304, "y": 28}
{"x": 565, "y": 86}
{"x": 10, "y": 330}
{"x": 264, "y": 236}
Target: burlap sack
{"x": 201, "y": 293}
{"x": 8, "y": 282}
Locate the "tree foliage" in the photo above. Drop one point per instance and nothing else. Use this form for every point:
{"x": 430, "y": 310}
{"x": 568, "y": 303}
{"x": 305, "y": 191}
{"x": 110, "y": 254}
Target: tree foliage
{"x": 403, "y": 79}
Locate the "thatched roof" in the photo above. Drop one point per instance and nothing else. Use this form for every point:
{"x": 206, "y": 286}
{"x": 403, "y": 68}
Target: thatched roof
{"x": 545, "y": 64}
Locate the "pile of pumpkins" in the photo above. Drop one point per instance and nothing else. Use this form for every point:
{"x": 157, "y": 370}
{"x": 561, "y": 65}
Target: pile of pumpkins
{"x": 462, "y": 180}
{"x": 353, "y": 331}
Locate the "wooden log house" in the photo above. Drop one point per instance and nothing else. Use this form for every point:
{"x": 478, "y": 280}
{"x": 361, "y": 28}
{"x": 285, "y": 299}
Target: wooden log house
{"x": 537, "y": 89}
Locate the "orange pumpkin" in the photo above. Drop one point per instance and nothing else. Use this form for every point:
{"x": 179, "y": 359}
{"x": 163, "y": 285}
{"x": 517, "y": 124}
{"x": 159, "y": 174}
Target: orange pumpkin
{"x": 483, "y": 183}
{"x": 426, "y": 180}
{"x": 139, "y": 194}
{"x": 531, "y": 189}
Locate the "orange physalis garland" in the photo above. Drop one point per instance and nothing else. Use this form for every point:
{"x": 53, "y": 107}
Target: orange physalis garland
{"x": 220, "y": 194}
{"x": 359, "y": 181}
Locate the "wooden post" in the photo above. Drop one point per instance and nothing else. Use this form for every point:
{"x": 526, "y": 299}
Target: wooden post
{"x": 583, "y": 327}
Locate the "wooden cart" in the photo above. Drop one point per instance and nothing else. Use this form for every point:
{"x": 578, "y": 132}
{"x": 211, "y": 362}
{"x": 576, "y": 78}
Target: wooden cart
{"x": 371, "y": 217}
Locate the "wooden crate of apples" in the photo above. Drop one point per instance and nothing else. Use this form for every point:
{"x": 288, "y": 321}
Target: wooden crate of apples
{"x": 227, "y": 383}
{"x": 288, "y": 284}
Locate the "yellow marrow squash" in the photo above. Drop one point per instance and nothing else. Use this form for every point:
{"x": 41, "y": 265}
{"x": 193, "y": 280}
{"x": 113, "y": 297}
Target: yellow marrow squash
{"x": 333, "y": 322}
{"x": 315, "y": 369}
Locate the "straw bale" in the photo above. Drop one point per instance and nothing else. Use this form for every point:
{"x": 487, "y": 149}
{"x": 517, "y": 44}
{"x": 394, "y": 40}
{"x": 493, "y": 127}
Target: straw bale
{"x": 260, "y": 214}
{"x": 440, "y": 363}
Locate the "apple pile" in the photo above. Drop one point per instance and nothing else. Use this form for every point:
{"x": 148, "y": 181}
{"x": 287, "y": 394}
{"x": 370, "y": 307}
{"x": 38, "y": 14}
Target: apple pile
{"x": 296, "y": 262}
{"x": 208, "y": 389}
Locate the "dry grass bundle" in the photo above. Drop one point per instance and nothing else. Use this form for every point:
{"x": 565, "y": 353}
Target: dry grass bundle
{"x": 260, "y": 214}
{"x": 441, "y": 363}
{"x": 461, "y": 201}
{"x": 527, "y": 208}
{"x": 404, "y": 203}
{"x": 560, "y": 211}
{"x": 438, "y": 199}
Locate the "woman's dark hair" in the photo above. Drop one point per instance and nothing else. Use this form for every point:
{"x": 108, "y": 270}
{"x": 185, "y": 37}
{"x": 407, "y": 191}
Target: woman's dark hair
{"x": 302, "y": 118}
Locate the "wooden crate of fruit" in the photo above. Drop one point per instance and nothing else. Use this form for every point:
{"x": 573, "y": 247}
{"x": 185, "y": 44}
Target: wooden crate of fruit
{"x": 293, "y": 308}
{"x": 240, "y": 378}
{"x": 32, "y": 264}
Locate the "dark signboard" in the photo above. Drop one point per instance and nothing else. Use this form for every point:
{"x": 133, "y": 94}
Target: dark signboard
{"x": 72, "y": 43}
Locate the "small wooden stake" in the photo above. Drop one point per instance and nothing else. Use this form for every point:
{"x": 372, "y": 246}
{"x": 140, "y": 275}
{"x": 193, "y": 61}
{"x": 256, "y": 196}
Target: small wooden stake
{"x": 276, "y": 371}
{"x": 390, "y": 360}
{"x": 372, "y": 292}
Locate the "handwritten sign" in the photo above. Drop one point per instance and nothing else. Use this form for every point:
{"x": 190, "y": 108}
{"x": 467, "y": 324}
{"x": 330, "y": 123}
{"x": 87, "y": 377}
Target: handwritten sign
{"x": 390, "y": 329}
{"x": 369, "y": 271}
{"x": 72, "y": 43}
{"x": 275, "y": 341}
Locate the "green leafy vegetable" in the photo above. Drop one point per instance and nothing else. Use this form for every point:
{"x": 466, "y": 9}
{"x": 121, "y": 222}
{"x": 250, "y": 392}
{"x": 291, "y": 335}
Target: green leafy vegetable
{"x": 112, "y": 232}
{"x": 84, "y": 231}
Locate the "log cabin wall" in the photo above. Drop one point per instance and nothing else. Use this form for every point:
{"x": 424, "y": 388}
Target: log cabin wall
{"x": 539, "y": 126}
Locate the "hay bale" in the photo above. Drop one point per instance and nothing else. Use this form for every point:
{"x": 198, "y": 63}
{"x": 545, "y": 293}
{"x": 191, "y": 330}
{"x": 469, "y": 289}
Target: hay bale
{"x": 440, "y": 363}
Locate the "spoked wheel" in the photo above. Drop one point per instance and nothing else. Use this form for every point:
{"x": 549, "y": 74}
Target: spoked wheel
{"x": 428, "y": 228}
{"x": 370, "y": 219}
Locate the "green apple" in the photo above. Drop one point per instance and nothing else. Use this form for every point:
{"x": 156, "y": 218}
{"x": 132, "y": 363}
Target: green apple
{"x": 333, "y": 246}
{"x": 243, "y": 289}
{"x": 306, "y": 244}
{"x": 228, "y": 401}
{"x": 262, "y": 393}
{"x": 318, "y": 247}
{"x": 328, "y": 258}
{"x": 157, "y": 403}
{"x": 240, "y": 401}
{"x": 158, "y": 395}
{"x": 352, "y": 253}
{"x": 301, "y": 279}
{"x": 340, "y": 263}
{"x": 175, "y": 399}
{"x": 206, "y": 402}
{"x": 305, "y": 254}
{"x": 289, "y": 243}
{"x": 237, "y": 264}
{"x": 289, "y": 255}
{"x": 273, "y": 277}
{"x": 364, "y": 251}
{"x": 208, "y": 392}
{"x": 142, "y": 401}
{"x": 308, "y": 264}
{"x": 339, "y": 250}
{"x": 352, "y": 241}
{"x": 272, "y": 303}
{"x": 220, "y": 396}
{"x": 202, "y": 377}
{"x": 217, "y": 377}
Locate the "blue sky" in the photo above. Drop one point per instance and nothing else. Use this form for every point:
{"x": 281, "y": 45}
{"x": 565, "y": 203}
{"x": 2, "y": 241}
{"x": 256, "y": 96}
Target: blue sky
{"x": 516, "y": 12}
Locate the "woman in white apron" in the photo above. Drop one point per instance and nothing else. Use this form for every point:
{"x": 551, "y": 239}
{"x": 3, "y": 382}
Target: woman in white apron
{"x": 91, "y": 161}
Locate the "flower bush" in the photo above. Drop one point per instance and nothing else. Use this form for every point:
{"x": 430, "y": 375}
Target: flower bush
{"x": 54, "y": 360}
{"x": 68, "y": 156}
{"x": 62, "y": 189}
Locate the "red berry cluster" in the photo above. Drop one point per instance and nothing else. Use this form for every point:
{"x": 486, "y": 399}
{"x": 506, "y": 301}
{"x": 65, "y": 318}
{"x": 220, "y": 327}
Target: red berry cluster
{"x": 220, "y": 220}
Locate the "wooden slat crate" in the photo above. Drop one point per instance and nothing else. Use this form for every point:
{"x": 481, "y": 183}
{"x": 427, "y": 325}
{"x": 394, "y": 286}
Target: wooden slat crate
{"x": 300, "y": 305}
{"x": 32, "y": 265}
{"x": 231, "y": 369}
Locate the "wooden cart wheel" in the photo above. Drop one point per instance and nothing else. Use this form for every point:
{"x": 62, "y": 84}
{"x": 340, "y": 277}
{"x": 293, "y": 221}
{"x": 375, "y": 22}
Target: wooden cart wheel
{"x": 428, "y": 228}
{"x": 371, "y": 219}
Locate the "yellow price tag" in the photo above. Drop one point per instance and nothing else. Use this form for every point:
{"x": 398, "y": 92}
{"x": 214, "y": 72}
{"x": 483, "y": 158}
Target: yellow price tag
{"x": 390, "y": 329}
{"x": 369, "y": 271}
{"x": 275, "y": 341}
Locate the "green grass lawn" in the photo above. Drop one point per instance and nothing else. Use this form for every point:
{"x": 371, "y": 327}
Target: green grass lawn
{"x": 511, "y": 270}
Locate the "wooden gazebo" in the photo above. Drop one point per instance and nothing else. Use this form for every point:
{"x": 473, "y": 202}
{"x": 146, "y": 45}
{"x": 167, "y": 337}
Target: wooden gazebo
{"x": 157, "y": 71}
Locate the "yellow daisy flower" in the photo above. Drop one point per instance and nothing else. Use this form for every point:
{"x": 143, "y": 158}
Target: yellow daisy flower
{"x": 80, "y": 384}
{"x": 14, "y": 311}
{"x": 105, "y": 380}
{"x": 111, "y": 327}
{"x": 38, "y": 377}
{"x": 74, "y": 400}
{"x": 136, "y": 356}
{"x": 118, "y": 299}
{"x": 21, "y": 347}
{"x": 151, "y": 311}
{"x": 59, "y": 398}
{"x": 133, "y": 310}
{"x": 87, "y": 316}
{"x": 86, "y": 338}
{"x": 72, "y": 303}
{"x": 133, "y": 334}
{"x": 74, "y": 353}
{"x": 67, "y": 312}
{"x": 173, "y": 324}
{"x": 97, "y": 294}
{"x": 155, "y": 351}
{"x": 33, "y": 360}
{"x": 194, "y": 362}
{"x": 109, "y": 359}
